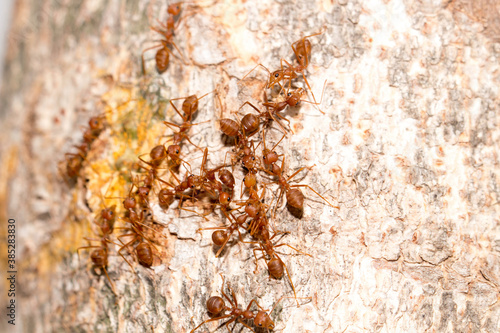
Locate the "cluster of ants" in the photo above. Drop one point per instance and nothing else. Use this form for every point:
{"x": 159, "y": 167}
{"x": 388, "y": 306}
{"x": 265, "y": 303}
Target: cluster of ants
{"x": 250, "y": 216}
{"x": 74, "y": 161}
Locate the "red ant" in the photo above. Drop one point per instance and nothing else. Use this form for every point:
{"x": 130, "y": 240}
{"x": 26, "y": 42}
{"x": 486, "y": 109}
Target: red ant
{"x": 294, "y": 196}
{"x": 99, "y": 256}
{"x": 275, "y": 265}
{"x": 269, "y": 156}
{"x": 162, "y": 56}
{"x": 189, "y": 107}
{"x": 217, "y": 307}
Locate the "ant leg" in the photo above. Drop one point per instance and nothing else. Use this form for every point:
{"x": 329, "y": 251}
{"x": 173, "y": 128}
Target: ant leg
{"x": 275, "y": 304}
{"x": 144, "y": 161}
{"x": 256, "y": 303}
{"x": 304, "y": 185}
{"x": 194, "y": 212}
{"x": 229, "y": 322}
{"x": 224, "y": 294}
{"x": 243, "y": 323}
{"x": 307, "y": 254}
{"x": 85, "y": 247}
{"x": 180, "y": 53}
{"x": 280, "y": 196}
{"x": 254, "y": 69}
{"x": 251, "y": 105}
{"x": 256, "y": 259}
{"x": 111, "y": 283}
{"x": 142, "y": 57}
{"x": 279, "y": 122}
{"x": 167, "y": 123}
{"x": 289, "y": 278}
{"x": 177, "y": 110}
{"x": 296, "y": 172}
{"x": 191, "y": 142}
{"x": 210, "y": 320}
{"x": 314, "y": 98}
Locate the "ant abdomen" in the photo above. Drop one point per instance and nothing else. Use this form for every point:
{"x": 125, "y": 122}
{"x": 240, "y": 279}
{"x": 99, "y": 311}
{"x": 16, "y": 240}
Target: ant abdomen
{"x": 219, "y": 237}
{"x": 295, "y": 198}
{"x": 215, "y": 305}
{"x": 165, "y": 197}
{"x": 144, "y": 254}
{"x": 99, "y": 257}
{"x": 190, "y": 105}
{"x": 227, "y": 178}
{"x": 250, "y": 123}
{"x": 229, "y": 127}
{"x": 275, "y": 268}
{"x": 158, "y": 154}
{"x": 162, "y": 59}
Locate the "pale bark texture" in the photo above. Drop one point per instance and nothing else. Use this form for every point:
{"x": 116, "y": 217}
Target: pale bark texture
{"x": 408, "y": 149}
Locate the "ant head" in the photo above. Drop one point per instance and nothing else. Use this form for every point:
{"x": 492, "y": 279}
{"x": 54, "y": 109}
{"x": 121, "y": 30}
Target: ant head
{"x": 108, "y": 214}
{"x": 252, "y": 210}
{"x": 262, "y": 319}
{"x": 143, "y": 191}
{"x": 224, "y": 198}
{"x": 191, "y": 181}
{"x": 174, "y": 151}
{"x": 275, "y": 77}
{"x": 174, "y": 9}
{"x": 96, "y": 124}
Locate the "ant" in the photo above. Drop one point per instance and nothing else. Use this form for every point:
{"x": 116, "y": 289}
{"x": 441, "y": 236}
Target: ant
{"x": 99, "y": 256}
{"x": 269, "y": 156}
{"x": 143, "y": 250}
{"x": 294, "y": 196}
{"x": 189, "y": 107}
{"x": 302, "y": 51}
{"x": 162, "y": 57}
{"x": 217, "y": 307}
{"x": 74, "y": 163}
{"x": 275, "y": 265}
{"x": 144, "y": 254}
{"x": 273, "y": 108}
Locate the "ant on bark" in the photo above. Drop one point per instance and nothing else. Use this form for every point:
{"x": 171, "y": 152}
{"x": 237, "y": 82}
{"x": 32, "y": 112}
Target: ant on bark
{"x": 275, "y": 264}
{"x": 217, "y": 307}
{"x": 294, "y": 196}
{"x": 189, "y": 107}
{"x": 162, "y": 57}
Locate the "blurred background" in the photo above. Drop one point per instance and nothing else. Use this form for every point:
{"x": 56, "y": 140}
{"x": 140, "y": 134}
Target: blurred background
{"x": 5, "y": 15}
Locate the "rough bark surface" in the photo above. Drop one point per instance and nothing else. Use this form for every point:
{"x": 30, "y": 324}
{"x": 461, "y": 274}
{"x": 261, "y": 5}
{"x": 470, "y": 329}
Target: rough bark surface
{"x": 408, "y": 149}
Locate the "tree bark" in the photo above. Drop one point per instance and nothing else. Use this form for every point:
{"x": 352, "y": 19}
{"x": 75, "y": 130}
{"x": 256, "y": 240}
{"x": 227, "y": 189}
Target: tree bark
{"x": 408, "y": 148}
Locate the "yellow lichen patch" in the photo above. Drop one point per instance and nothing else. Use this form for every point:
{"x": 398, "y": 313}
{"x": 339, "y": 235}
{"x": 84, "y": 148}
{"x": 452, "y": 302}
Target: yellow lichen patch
{"x": 6, "y": 173}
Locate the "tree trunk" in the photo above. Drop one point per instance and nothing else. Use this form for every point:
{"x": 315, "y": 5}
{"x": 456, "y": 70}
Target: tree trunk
{"x": 408, "y": 149}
